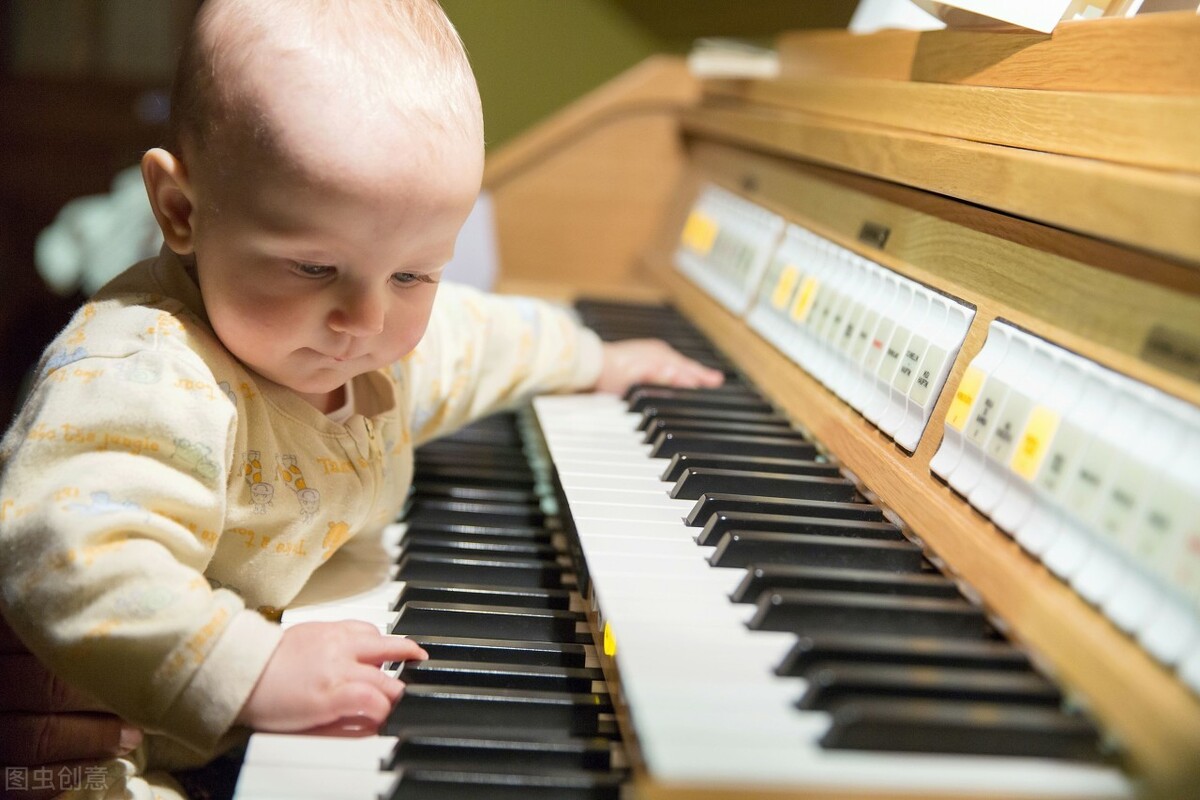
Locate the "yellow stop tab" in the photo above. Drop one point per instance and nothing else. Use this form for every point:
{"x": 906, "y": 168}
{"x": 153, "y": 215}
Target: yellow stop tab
{"x": 964, "y": 398}
{"x": 610, "y": 641}
{"x": 784, "y": 287}
{"x": 804, "y": 298}
{"x": 1031, "y": 447}
{"x": 699, "y": 233}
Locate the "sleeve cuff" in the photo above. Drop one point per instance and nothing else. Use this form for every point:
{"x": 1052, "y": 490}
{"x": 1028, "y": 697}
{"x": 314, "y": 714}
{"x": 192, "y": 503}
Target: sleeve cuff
{"x": 208, "y": 706}
{"x": 591, "y": 360}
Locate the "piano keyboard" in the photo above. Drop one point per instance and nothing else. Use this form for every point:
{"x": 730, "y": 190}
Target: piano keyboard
{"x": 769, "y": 626}
{"x": 511, "y": 703}
{"x": 772, "y": 628}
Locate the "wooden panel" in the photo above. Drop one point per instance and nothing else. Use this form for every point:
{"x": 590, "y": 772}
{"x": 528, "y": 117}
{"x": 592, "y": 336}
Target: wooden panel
{"x": 1148, "y": 209}
{"x": 578, "y": 196}
{"x": 1157, "y": 131}
{"x": 1150, "y": 54}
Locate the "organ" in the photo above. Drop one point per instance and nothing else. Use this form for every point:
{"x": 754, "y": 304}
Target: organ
{"x": 952, "y": 487}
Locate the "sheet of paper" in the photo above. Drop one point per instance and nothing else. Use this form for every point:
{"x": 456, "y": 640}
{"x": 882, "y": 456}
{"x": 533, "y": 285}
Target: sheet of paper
{"x": 1038, "y": 15}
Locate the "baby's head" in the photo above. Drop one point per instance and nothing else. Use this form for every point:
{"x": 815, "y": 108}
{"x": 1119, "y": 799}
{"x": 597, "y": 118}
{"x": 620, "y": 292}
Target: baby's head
{"x": 325, "y": 154}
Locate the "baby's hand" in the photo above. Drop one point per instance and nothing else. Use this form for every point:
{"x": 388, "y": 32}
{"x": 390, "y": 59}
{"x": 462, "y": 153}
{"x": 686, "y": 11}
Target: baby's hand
{"x": 325, "y": 679}
{"x": 651, "y": 361}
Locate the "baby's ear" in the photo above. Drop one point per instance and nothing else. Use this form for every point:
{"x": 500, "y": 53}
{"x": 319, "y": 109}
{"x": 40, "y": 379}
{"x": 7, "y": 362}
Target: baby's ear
{"x": 171, "y": 198}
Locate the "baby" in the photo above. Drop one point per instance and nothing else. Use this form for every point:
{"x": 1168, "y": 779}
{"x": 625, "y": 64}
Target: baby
{"x": 218, "y": 421}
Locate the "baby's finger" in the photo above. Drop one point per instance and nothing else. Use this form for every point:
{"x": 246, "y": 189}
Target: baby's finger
{"x": 362, "y": 700}
{"x": 389, "y": 686}
{"x": 705, "y": 377}
{"x": 346, "y": 726}
{"x": 384, "y": 648}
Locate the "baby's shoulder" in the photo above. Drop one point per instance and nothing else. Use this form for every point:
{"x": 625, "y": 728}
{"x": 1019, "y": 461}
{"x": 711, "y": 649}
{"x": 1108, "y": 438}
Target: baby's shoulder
{"x": 133, "y": 318}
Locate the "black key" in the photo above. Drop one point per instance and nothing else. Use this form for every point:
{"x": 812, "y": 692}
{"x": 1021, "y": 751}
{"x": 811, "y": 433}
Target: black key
{"x": 499, "y": 676}
{"x": 499, "y": 751}
{"x": 487, "y": 547}
{"x": 811, "y": 613}
{"x": 678, "y": 424}
{"x": 515, "y": 460}
{"x": 812, "y": 652}
{"x": 695, "y": 482}
{"x": 652, "y": 413}
{"x": 441, "y": 707}
{"x": 449, "y": 531}
{"x": 429, "y": 783}
{"x": 433, "y": 511}
{"x": 716, "y": 502}
{"x": 495, "y": 435}
{"x": 792, "y": 466}
{"x": 496, "y": 622}
{"x": 480, "y": 594}
{"x": 720, "y": 524}
{"x": 744, "y": 548}
{"x": 473, "y": 474}
{"x": 500, "y": 651}
{"x": 670, "y": 400}
{"x": 832, "y": 686}
{"x": 493, "y": 571}
{"x": 640, "y": 391}
{"x": 917, "y": 726}
{"x": 668, "y": 444}
{"x": 450, "y": 490}
{"x": 912, "y": 584}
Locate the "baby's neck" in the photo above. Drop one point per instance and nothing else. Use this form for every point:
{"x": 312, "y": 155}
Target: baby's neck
{"x": 329, "y": 401}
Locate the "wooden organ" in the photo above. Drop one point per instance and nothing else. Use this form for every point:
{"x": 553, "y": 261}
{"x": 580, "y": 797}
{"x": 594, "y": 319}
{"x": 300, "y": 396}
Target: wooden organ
{"x": 966, "y": 266}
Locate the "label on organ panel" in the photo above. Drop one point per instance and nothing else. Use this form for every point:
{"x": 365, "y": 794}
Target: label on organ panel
{"x": 964, "y": 398}
{"x": 841, "y": 310}
{"x": 1034, "y": 441}
{"x": 1061, "y": 457}
{"x": 1117, "y": 507}
{"x": 846, "y": 339}
{"x": 983, "y": 414}
{"x": 927, "y": 373}
{"x": 878, "y": 343}
{"x": 822, "y": 305}
{"x": 1009, "y": 425}
{"x": 802, "y": 306}
{"x": 893, "y": 352}
{"x": 743, "y": 257}
{"x": 785, "y": 287}
{"x": 699, "y": 233}
{"x": 1185, "y": 563}
{"x": 723, "y": 251}
{"x": 1089, "y": 476}
{"x": 909, "y": 364}
{"x": 1160, "y": 518}
{"x": 862, "y": 339}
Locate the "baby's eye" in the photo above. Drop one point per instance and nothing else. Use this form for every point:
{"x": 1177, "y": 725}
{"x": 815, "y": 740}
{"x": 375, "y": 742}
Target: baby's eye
{"x": 312, "y": 270}
{"x": 409, "y": 278}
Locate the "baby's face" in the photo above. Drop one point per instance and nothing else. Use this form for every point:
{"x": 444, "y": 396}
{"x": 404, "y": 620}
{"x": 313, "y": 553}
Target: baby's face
{"x": 314, "y": 274}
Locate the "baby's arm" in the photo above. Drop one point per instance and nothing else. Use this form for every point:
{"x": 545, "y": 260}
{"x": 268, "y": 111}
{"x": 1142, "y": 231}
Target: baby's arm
{"x": 325, "y": 678}
{"x": 651, "y": 361}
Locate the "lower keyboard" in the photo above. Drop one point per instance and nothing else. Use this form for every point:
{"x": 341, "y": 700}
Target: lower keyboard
{"x": 511, "y": 703}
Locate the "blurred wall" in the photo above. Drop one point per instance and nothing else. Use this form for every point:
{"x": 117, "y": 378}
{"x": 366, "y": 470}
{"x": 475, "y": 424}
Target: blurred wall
{"x": 532, "y": 57}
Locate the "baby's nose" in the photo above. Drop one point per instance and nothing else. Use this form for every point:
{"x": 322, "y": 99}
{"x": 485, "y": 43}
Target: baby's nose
{"x": 360, "y": 313}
